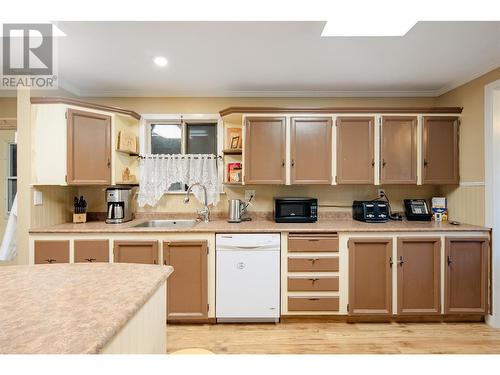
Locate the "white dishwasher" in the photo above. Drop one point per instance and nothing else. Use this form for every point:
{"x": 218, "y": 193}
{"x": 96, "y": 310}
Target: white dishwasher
{"x": 247, "y": 278}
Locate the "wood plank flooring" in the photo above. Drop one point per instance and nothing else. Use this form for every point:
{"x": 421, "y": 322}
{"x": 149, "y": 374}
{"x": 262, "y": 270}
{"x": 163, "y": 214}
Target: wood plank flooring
{"x": 336, "y": 338}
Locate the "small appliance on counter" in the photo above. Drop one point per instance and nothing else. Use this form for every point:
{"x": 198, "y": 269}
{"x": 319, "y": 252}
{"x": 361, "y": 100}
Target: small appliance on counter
{"x": 119, "y": 202}
{"x": 417, "y": 210}
{"x": 237, "y": 211}
{"x": 371, "y": 211}
{"x": 295, "y": 210}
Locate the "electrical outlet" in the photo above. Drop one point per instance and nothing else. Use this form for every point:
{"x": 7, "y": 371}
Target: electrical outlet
{"x": 249, "y": 194}
{"x": 37, "y": 198}
{"x": 381, "y": 193}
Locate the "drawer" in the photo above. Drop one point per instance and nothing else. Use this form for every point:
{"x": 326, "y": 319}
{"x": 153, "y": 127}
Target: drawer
{"x": 312, "y": 283}
{"x": 313, "y": 243}
{"x": 313, "y": 264}
{"x": 313, "y": 303}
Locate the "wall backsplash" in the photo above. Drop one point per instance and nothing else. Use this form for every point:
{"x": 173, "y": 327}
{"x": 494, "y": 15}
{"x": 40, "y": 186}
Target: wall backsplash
{"x": 339, "y": 196}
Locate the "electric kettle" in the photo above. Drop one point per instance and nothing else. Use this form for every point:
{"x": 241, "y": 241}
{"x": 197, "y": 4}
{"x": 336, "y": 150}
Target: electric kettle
{"x": 237, "y": 208}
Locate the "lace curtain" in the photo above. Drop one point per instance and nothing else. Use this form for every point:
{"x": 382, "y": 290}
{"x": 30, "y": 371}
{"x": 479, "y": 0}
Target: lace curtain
{"x": 159, "y": 172}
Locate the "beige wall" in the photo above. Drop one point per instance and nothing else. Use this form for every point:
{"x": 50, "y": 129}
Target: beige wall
{"x": 466, "y": 202}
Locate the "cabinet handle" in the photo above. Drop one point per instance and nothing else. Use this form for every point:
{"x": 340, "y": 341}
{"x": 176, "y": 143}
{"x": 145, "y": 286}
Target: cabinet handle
{"x": 90, "y": 259}
{"x": 313, "y": 239}
{"x": 155, "y": 261}
{"x": 383, "y": 163}
{"x": 313, "y": 299}
{"x": 314, "y": 280}
{"x": 426, "y": 163}
{"x": 448, "y": 260}
{"x": 50, "y": 260}
{"x": 283, "y": 163}
{"x": 293, "y": 163}
{"x": 313, "y": 260}
{"x": 390, "y": 262}
{"x": 109, "y": 163}
{"x": 401, "y": 261}
{"x": 373, "y": 162}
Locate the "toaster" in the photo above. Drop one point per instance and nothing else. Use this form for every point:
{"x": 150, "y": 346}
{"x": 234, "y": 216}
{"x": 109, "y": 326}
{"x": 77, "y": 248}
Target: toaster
{"x": 370, "y": 211}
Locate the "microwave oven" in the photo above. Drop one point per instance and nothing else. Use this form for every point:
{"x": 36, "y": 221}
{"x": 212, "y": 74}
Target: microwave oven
{"x": 295, "y": 210}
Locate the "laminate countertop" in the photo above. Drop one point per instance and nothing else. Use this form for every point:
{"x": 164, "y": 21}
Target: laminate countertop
{"x": 261, "y": 225}
{"x": 71, "y": 308}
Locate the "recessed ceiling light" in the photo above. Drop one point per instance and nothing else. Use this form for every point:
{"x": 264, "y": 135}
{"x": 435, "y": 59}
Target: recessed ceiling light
{"x": 161, "y": 61}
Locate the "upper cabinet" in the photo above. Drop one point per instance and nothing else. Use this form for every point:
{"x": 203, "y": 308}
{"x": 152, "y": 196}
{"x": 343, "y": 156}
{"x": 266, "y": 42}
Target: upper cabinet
{"x": 440, "y": 150}
{"x": 311, "y": 150}
{"x": 398, "y": 150}
{"x": 89, "y": 148}
{"x": 355, "y": 150}
{"x": 76, "y": 143}
{"x": 264, "y": 150}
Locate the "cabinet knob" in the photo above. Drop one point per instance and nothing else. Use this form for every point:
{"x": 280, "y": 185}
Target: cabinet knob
{"x": 383, "y": 163}
{"x": 373, "y": 162}
{"x": 109, "y": 163}
{"x": 401, "y": 261}
{"x": 50, "y": 260}
{"x": 90, "y": 259}
{"x": 390, "y": 262}
{"x": 426, "y": 163}
{"x": 293, "y": 163}
{"x": 283, "y": 163}
{"x": 448, "y": 260}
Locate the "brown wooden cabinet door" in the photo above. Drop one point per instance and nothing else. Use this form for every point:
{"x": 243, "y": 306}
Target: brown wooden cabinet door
{"x": 91, "y": 251}
{"x": 419, "y": 276}
{"x": 398, "y": 152}
{"x": 89, "y": 148}
{"x": 311, "y": 150}
{"x": 48, "y": 251}
{"x": 355, "y": 150}
{"x": 370, "y": 276}
{"x": 441, "y": 160}
{"x": 466, "y": 275}
{"x": 264, "y": 149}
{"x": 187, "y": 288}
{"x": 145, "y": 252}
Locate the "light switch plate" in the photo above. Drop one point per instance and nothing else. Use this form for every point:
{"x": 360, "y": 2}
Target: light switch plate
{"x": 249, "y": 194}
{"x": 37, "y": 198}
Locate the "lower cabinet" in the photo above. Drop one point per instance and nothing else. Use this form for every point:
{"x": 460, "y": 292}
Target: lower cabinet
{"x": 51, "y": 251}
{"x": 466, "y": 275}
{"x": 419, "y": 276}
{"x": 91, "y": 251}
{"x": 145, "y": 252}
{"x": 187, "y": 287}
{"x": 370, "y": 276}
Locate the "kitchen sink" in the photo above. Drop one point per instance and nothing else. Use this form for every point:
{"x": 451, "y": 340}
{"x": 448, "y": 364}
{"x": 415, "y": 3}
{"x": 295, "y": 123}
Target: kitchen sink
{"x": 167, "y": 224}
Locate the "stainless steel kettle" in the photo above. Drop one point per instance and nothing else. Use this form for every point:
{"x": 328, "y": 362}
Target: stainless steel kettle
{"x": 237, "y": 209}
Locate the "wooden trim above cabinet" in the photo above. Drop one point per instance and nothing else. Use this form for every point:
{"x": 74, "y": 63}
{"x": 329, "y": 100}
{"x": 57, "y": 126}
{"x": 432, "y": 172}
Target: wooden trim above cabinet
{"x": 382, "y": 110}
{"x": 83, "y": 104}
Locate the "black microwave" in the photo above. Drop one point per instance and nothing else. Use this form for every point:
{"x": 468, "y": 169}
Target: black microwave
{"x": 295, "y": 210}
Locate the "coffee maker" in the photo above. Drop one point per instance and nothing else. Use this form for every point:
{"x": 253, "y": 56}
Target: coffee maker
{"x": 118, "y": 200}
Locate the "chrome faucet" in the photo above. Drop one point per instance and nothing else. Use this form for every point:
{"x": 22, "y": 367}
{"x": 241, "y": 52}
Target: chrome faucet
{"x": 204, "y": 213}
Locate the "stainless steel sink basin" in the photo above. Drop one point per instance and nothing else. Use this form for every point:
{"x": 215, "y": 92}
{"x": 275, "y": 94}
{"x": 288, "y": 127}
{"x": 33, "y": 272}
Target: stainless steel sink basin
{"x": 167, "y": 224}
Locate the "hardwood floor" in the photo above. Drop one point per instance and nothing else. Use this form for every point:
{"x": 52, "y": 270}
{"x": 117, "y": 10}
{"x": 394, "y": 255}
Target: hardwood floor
{"x": 336, "y": 338}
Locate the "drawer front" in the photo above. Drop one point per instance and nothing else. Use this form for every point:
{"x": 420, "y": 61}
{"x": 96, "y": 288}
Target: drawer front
{"x": 313, "y": 264}
{"x": 313, "y": 304}
{"x": 313, "y": 243}
{"x": 313, "y": 283}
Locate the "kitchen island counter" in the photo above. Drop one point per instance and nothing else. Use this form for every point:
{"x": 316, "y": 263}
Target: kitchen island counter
{"x": 79, "y": 308}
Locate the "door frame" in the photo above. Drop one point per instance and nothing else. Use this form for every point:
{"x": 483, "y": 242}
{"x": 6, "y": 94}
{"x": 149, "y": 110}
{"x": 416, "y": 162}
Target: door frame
{"x": 492, "y": 184}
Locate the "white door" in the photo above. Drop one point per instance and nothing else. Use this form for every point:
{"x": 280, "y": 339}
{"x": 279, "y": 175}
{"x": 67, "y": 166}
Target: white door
{"x": 248, "y": 283}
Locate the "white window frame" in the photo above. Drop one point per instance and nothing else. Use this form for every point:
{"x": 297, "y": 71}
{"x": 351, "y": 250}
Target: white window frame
{"x": 8, "y": 177}
{"x": 148, "y": 119}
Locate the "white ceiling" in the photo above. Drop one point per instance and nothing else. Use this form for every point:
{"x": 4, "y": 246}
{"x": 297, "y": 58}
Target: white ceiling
{"x": 270, "y": 59}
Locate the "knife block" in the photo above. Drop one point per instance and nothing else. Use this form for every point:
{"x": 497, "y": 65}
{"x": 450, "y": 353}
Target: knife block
{"x": 79, "y": 218}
